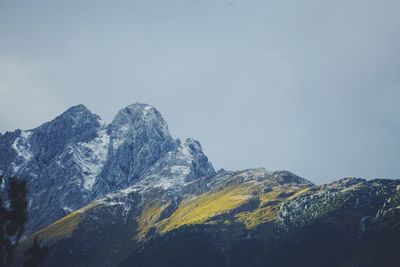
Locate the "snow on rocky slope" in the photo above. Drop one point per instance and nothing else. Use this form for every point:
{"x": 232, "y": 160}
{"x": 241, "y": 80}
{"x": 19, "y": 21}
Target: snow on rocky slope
{"x": 77, "y": 157}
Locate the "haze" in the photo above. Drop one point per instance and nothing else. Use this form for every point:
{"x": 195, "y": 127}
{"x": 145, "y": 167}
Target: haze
{"x": 308, "y": 86}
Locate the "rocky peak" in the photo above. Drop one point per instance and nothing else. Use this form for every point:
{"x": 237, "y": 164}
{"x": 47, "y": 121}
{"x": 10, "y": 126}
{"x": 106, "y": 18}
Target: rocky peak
{"x": 193, "y": 144}
{"x": 139, "y": 137}
{"x": 77, "y": 124}
{"x": 139, "y": 114}
{"x": 184, "y": 163}
{"x": 75, "y": 117}
{"x": 76, "y": 111}
{"x": 200, "y": 164}
{"x": 138, "y": 121}
{"x": 77, "y": 157}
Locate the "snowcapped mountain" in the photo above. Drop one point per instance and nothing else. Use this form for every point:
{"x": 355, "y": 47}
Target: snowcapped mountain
{"x": 77, "y": 157}
{"x": 128, "y": 194}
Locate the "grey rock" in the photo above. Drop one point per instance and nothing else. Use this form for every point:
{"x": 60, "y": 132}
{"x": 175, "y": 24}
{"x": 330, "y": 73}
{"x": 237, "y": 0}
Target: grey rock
{"x": 77, "y": 157}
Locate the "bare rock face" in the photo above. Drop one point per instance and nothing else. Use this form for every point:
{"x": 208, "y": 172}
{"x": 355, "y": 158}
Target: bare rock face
{"x": 139, "y": 137}
{"x": 77, "y": 157}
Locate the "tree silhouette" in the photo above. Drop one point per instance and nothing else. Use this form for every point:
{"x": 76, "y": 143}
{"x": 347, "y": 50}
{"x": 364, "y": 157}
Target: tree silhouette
{"x": 35, "y": 254}
{"x": 13, "y": 217}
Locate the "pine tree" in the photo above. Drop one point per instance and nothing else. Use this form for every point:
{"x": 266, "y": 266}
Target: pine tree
{"x": 13, "y": 217}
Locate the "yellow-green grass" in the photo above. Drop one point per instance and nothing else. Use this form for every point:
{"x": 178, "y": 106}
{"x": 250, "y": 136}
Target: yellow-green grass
{"x": 261, "y": 214}
{"x": 65, "y": 226}
{"x": 252, "y": 219}
{"x": 268, "y": 207}
{"x": 202, "y": 208}
{"x": 150, "y": 215}
{"x": 299, "y": 192}
{"x": 195, "y": 210}
{"x": 61, "y": 228}
{"x": 267, "y": 197}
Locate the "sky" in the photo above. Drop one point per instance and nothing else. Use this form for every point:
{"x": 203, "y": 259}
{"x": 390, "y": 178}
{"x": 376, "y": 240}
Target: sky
{"x": 307, "y": 86}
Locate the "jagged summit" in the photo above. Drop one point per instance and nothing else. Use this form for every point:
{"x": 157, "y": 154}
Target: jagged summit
{"x": 192, "y": 143}
{"x": 138, "y": 113}
{"x": 77, "y": 157}
{"x": 77, "y": 109}
{"x": 138, "y": 120}
{"x": 77, "y": 114}
{"x": 137, "y": 192}
{"x": 138, "y": 138}
{"x": 140, "y": 110}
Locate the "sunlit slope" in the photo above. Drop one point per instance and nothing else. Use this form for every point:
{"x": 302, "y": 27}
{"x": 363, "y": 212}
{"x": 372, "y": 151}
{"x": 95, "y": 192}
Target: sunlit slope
{"x": 245, "y": 203}
{"x": 350, "y": 222}
{"x": 250, "y": 197}
{"x": 247, "y": 217}
{"x": 127, "y": 218}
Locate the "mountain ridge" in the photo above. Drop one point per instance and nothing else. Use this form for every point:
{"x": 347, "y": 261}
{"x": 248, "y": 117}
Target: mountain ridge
{"x": 126, "y": 193}
{"x": 219, "y": 217}
{"x": 77, "y": 157}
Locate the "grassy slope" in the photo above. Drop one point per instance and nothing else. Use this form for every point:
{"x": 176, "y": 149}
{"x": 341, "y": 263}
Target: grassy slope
{"x": 229, "y": 206}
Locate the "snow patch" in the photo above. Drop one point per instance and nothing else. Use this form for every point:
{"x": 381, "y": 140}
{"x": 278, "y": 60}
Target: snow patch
{"x": 172, "y": 171}
{"x": 185, "y": 152}
{"x": 23, "y": 148}
{"x": 180, "y": 169}
{"x": 91, "y": 157}
{"x": 67, "y": 209}
{"x": 121, "y": 136}
{"x": 147, "y": 115}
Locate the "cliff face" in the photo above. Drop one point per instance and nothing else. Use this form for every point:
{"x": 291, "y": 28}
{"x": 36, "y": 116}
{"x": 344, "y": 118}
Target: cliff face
{"x": 77, "y": 157}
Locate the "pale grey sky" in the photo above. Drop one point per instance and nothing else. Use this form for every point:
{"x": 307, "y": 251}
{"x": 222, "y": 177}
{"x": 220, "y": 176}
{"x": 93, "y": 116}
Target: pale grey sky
{"x": 308, "y": 86}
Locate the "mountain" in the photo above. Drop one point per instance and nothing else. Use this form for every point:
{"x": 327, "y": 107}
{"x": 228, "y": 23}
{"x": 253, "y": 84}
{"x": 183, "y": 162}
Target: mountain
{"x": 128, "y": 194}
{"x": 77, "y": 157}
{"x": 244, "y": 218}
{"x": 109, "y": 229}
